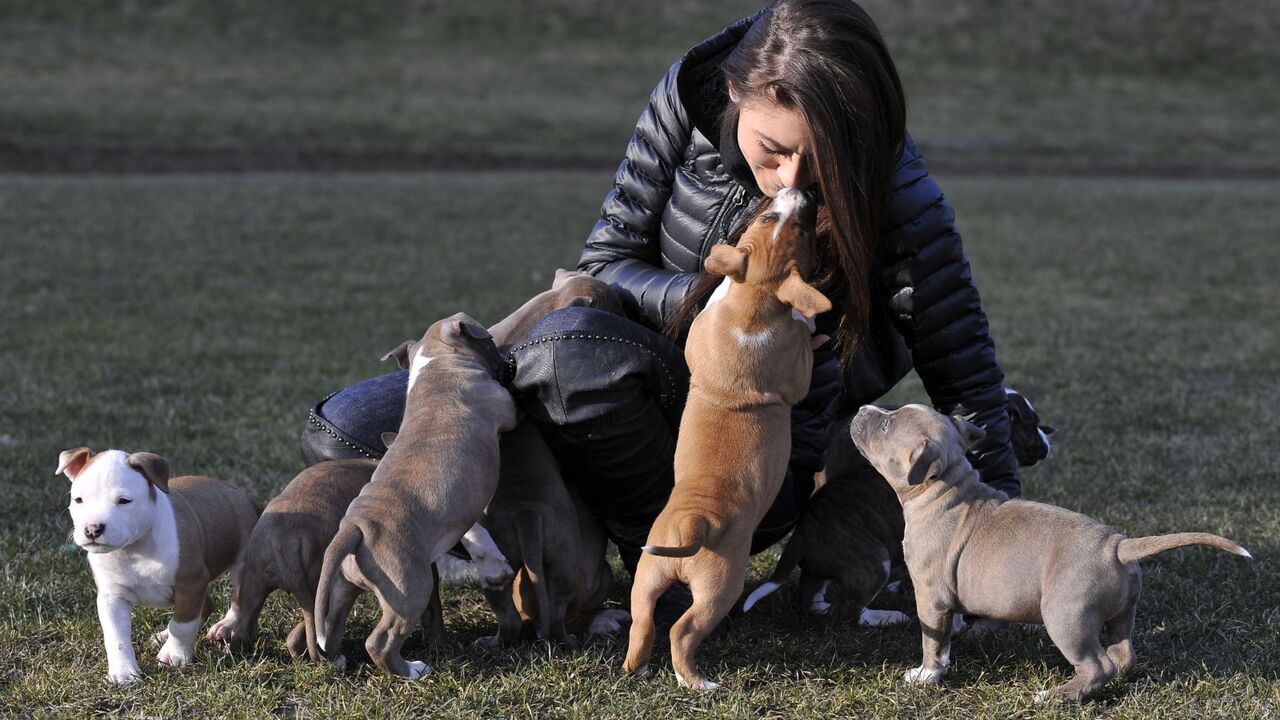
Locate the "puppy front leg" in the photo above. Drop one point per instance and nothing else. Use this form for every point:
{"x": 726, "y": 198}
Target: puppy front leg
{"x": 122, "y": 664}
{"x": 935, "y": 635}
{"x": 189, "y": 611}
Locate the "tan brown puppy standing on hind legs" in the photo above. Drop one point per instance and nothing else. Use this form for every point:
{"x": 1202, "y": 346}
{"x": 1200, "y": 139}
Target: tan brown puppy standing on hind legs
{"x": 971, "y": 549}
{"x": 749, "y": 362}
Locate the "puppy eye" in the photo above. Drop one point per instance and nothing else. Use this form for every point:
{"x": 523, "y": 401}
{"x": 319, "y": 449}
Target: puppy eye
{"x": 123, "y": 501}
{"x": 79, "y": 500}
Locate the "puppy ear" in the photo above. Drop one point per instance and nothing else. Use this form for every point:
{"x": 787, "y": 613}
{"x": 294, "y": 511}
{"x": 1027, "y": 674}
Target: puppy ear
{"x": 461, "y": 330}
{"x": 400, "y": 354}
{"x": 926, "y": 463}
{"x": 563, "y": 276}
{"x": 971, "y": 434}
{"x": 472, "y": 329}
{"x": 153, "y": 467}
{"x": 802, "y": 296}
{"x": 727, "y": 261}
{"x": 71, "y": 462}
{"x": 388, "y": 438}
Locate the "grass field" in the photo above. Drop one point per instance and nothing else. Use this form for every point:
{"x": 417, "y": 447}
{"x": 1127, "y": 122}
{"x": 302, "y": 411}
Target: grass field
{"x": 451, "y": 82}
{"x": 199, "y": 317}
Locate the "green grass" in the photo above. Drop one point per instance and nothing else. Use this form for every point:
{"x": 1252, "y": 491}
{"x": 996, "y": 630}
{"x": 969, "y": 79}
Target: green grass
{"x": 199, "y": 317}
{"x": 555, "y": 81}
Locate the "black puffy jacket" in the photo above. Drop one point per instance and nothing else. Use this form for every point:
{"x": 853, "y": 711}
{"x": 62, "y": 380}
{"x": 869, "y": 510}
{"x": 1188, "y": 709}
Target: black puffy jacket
{"x": 676, "y": 194}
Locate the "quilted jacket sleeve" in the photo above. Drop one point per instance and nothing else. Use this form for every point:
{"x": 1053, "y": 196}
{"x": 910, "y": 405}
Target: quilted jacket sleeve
{"x": 936, "y": 308}
{"x": 622, "y": 248}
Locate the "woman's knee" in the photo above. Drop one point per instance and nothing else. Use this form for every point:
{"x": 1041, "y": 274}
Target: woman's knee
{"x": 579, "y": 364}
{"x": 350, "y": 422}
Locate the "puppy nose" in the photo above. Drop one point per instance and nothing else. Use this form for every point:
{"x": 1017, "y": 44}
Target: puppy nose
{"x": 94, "y": 530}
{"x": 789, "y": 201}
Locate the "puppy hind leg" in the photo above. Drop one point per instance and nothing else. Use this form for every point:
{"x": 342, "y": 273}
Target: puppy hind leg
{"x": 296, "y": 642}
{"x": 388, "y": 636}
{"x": 1120, "y": 629}
{"x": 433, "y": 618}
{"x": 651, "y": 580}
{"x": 711, "y": 604}
{"x": 863, "y": 584}
{"x": 508, "y": 617}
{"x": 239, "y": 626}
{"x": 1076, "y": 635}
{"x": 342, "y": 600}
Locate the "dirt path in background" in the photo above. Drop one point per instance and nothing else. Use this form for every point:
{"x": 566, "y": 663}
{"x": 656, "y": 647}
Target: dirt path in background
{"x": 131, "y": 159}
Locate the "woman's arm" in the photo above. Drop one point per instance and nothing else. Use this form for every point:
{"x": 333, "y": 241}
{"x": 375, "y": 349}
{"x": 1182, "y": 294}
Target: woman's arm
{"x": 936, "y": 308}
{"x": 622, "y": 248}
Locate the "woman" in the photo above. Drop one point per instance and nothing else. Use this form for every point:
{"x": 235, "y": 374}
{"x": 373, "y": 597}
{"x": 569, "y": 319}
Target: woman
{"x": 801, "y": 94}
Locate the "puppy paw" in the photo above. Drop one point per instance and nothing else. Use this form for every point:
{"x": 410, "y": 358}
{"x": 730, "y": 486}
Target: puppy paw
{"x": 124, "y": 676}
{"x": 340, "y": 662}
{"x": 820, "y": 607}
{"x": 494, "y": 573}
{"x": 638, "y": 673}
{"x": 159, "y": 638}
{"x": 489, "y": 642}
{"x": 608, "y": 622}
{"x": 173, "y": 655}
{"x": 882, "y": 617}
{"x": 226, "y": 629}
{"x": 924, "y": 676}
{"x": 699, "y": 684}
{"x": 418, "y": 669}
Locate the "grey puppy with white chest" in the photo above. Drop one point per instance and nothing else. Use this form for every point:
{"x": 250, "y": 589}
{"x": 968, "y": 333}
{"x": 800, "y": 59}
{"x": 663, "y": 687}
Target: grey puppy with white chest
{"x": 971, "y": 549}
{"x": 426, "y": 492}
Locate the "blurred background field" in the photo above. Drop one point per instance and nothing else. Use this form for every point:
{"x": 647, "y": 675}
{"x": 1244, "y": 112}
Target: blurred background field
{"x": 1165, "y": 87}
{"x": 1114, "y": 166}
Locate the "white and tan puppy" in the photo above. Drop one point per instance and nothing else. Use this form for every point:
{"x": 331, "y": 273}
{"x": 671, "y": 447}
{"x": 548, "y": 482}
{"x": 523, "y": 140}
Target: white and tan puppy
{"x": 155, "y": 542}
{"x": 971, "y": 549}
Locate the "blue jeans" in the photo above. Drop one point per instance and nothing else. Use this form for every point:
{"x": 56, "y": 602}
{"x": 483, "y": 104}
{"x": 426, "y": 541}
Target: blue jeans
{"x": 607, "y": 394}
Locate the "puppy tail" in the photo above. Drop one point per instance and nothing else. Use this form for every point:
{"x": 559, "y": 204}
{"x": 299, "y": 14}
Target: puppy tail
{"x": 790, "y": 557}
{"x": 1132, "y": 550}
{"x": 528, "y": 525}
{"x": 693, "y": 533}
{"x": 343, "y": 544}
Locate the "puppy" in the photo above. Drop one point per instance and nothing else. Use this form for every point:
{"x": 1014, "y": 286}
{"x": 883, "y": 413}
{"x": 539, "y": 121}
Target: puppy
{"x": 851, "y": 530}
{"x": 536, "y": 523}
{"x": 571, "y": 288}
{"x": 535, "y": 519}
{"x": 971, "y": 549}
{"x": 430, "y": 487}
{"x": 286, "y": 550}
{"x": 1030, "y": 439}
{"x": 155, "y": 542}
{"x": 749, "y": 362}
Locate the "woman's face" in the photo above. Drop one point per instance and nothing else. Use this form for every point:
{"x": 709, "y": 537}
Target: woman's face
{"x": 775, "y": 141}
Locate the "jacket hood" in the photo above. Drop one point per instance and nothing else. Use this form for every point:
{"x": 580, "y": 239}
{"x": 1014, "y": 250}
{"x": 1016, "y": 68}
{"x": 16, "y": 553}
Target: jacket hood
{"x": 704, "y": 95}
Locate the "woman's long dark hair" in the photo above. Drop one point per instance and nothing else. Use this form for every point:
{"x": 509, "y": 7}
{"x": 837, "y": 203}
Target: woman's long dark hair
{"x": 826, "y": 60}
